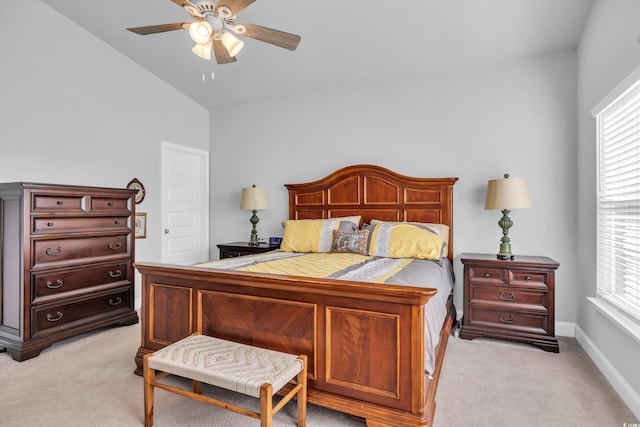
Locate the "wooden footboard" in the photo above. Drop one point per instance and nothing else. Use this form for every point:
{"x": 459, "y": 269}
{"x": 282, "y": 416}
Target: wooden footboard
{"x": 364, "y": 342}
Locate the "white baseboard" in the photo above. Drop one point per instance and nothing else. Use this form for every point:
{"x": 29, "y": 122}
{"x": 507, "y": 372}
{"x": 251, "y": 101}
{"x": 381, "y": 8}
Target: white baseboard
{"x": 620, "y": 385}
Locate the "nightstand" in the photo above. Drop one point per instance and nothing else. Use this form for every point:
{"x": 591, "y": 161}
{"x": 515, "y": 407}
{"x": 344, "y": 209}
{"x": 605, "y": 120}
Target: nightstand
{"x": 510, "y": 299}
{"x": 230, "y": 250}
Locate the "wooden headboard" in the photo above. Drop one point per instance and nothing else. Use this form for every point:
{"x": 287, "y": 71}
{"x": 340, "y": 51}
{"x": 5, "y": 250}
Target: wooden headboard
{"x": 375, "y": 193}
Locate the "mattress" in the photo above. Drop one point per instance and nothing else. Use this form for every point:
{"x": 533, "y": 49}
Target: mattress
{"x": 435, "y": 274}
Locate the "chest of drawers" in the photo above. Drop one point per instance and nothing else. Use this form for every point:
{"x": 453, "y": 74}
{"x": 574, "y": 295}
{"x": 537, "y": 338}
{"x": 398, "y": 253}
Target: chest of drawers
{"x": 510, "y": 299}
{"x": 67, "y": 263}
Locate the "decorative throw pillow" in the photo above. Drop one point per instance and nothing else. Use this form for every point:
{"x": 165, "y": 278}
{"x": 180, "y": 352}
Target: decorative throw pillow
{"x": 353, "y": 242}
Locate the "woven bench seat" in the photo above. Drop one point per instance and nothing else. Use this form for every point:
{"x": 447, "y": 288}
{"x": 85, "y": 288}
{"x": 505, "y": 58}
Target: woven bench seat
{"x": 245, "y": 369}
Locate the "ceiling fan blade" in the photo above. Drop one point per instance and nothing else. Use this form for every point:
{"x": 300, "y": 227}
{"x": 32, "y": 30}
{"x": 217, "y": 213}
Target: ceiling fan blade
{"x": 222, "y": 56}
{"x": 235, "y": 5}
{"x": 271, "y": 36}
{"x": 152, "y": 29}
{"x": 189, "y": 7}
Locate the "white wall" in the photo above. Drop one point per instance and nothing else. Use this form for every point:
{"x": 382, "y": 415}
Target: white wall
{"x": 608, "y": 52}
{"x": 75, "y": 111}
{"x": 477, "y": 124}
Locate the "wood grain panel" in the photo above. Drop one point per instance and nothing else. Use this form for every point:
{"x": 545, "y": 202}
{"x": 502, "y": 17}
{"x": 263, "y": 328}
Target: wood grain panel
{"x": 281, "y": 325}
{"x": 380, "y": 191}
{"x": 345, "y": 192}
{"x": 359, "y": 354}
{"x": 170, "y": 308}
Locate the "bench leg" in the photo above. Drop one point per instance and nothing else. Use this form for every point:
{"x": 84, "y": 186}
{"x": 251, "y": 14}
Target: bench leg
{"x": 148, "y": 392}
{"x": 302, "y": 393}
{"x": 266, "y": 405}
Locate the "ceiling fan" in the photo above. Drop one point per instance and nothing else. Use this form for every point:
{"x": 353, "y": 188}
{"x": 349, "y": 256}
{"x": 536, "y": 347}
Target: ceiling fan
{"x": 214, "y": 25}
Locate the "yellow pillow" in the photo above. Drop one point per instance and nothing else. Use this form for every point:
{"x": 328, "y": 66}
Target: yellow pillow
{"x": 394, "y": 240}
{"x": 310, "y": 235}
{"x": 441, "y": 230}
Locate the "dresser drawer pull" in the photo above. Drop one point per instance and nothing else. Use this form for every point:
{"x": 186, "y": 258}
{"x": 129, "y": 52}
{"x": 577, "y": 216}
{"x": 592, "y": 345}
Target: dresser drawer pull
{"x": 115, "y": 301}
{"x": 117, "y": 273}
{"x": 53, "y": 252}
{"x": 51, "y": 318}
{"x": 49, "y": 284}
{"x": 487, "y": 275}
{"x": 49, "y": 224}
{"x": 117, "y": 222}
{"x": 60, "y": 203}
{"x": 110, "y": 203}
{"x": 115, "y": 246}
{"x": 527, "y": 278}
{"x": 506, "y": 319}
{"x": 507, "y": 296}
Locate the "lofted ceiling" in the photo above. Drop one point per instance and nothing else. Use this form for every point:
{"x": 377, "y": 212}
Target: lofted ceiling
{"x": 345, "y": 43}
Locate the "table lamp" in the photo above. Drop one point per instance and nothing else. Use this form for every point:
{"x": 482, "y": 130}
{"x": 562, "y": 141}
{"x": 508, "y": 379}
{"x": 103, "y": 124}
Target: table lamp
{"x": 254, "y": 199}
{"x": 506, "y": 194}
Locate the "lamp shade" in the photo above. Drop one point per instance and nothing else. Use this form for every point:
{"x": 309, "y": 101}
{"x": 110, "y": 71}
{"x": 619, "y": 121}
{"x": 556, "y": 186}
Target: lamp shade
{"x": 231, "y": 43}
{"x": 203, "y": 50}
{"x": 254, "y": 199}
{"x": 507, "y": 193}
{"x": 200, "y": 31}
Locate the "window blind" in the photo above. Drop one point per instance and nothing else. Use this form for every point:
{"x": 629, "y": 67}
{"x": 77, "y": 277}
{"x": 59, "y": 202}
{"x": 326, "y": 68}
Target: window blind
{"x": 618, "y": 203}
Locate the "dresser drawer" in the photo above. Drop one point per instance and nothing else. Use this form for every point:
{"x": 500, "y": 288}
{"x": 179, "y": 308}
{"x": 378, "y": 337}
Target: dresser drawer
{"x": 509, "y": 298}
{"x": 67, "y": 224}
{"x": 68, "y": 282}
{"x": 58, "y": 203}
{"x": 511, "y": 320}
{"x": 78, "y": 249}
{"x": 110, "y": 204}
{"x": 488, "y": 275}
{"x": 50, "y": 318}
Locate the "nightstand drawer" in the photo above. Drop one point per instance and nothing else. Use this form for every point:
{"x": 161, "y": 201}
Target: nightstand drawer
{"x": 487, "y": 275}
{"x": 509, "y": 298}
{"x": 529, "y": 279}
{"x": 512, "y": 320}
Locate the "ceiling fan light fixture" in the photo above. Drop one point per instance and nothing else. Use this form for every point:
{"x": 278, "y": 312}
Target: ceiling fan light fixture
{"x": 231, "y": 43}
{"x": 203, "y": 50}
{"x": 200, "y": 31}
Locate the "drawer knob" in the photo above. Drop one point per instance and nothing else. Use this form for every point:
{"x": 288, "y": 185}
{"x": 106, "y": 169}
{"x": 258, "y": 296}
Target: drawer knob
{"x": 49, "y": 284}
{"x": 117, "y": 273}
{"x": 115, "y": 301}
{"x": 49, "y": 224}
{"x": 487, "y": 275}
{"x": 507, "y": 296}
{"x": 52, "y": 318}
{"x": 527, "y": 278}
{"x": 53, "y": 252}
{"x": 110, "y": 203}
{"x": 115, "y": 246}
{"x": 59, "y": 202}
{"x": 506, "y": 318}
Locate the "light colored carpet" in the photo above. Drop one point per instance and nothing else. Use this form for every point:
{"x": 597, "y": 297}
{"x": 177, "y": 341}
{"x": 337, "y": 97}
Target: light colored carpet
{"x": 89, "y": 381}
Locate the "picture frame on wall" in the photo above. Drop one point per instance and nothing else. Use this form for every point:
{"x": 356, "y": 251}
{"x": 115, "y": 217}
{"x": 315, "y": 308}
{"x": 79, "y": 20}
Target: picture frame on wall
{"x": 141, "y": 225}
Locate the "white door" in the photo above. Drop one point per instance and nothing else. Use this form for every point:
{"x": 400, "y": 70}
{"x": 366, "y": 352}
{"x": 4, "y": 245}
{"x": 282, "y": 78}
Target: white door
{"x": 185, "y": 204}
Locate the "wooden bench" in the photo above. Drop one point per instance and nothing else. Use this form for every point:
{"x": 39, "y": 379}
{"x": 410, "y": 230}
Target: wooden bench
{"x": 253, "y": 371}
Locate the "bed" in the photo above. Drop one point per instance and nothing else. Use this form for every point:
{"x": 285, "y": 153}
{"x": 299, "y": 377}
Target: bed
{"x": 366, "y": 342}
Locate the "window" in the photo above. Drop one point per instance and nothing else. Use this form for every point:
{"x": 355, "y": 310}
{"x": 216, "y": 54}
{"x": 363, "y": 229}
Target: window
{"x": 618, "y": 201}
